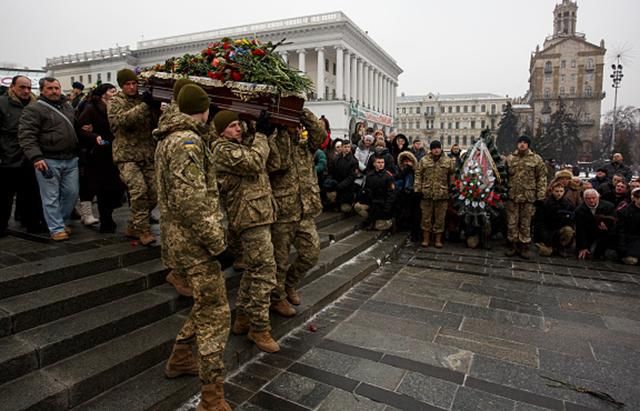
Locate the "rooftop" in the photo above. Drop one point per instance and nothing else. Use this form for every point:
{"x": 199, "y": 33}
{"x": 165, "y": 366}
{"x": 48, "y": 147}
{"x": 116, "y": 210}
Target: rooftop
{"x": 449, "y": 97}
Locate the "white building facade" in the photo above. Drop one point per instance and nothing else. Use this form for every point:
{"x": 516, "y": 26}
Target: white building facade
{"x": 449, "y": 118}
{"x": 355, "y": 79}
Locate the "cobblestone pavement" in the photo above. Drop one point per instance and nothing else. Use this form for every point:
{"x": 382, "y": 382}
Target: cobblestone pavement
{"x": 458, "y": 329}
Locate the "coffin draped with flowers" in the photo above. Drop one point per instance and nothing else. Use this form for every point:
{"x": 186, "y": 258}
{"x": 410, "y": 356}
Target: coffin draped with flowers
{"x": 246, "y": 76}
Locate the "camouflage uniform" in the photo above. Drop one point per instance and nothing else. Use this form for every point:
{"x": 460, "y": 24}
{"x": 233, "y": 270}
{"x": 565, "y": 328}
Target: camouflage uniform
{"x": 246, "y": 195}
{"x": 295, "y": 187}
{"x": 432, "y": 179}
{"x": 192, "y": 235}
{"x": 527, "y": 183}
{"x": 132, "y": 121}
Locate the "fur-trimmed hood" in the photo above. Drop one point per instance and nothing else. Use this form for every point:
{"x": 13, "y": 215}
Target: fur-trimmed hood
{"x": 407, "y": 154}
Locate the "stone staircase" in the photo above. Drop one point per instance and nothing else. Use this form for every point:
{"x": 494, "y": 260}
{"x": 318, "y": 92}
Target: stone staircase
{"x": 90, "y": 325}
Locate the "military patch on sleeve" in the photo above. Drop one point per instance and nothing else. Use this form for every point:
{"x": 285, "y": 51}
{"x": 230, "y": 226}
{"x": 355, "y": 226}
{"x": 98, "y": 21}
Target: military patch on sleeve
{"x": 236, "y": 154}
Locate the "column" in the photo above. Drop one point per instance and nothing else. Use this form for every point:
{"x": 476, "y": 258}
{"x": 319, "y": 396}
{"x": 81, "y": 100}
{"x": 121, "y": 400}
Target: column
{"x": 370, "y": 86}
{"x": 387, "y": 95}
{"x": 365, "y": 84}
{"x": 360, "y": 81}
{"x": 285, "y": 56}
{"x": 320, "y": 73}
{"x": 374, "y": 100}
{"x": 393, "y": 99}
{"x": 339, "y": 73}
{"x": 383, "y": 79}
{"x": 347, "y": 76}
{"x": 302, "y": 60}
{"x": 380, "y": 92}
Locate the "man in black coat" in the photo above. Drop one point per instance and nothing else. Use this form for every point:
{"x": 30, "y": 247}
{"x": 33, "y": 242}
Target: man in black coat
{"x": 617, "y": 166}
{"x": 628, "y": 229}
{"x": 595, "y": 226}
{"x": 375, "y": 201}
{"x": 340, "y": 184}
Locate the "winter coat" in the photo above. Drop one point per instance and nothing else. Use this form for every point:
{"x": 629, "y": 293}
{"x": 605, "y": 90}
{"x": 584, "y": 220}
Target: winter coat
{"x": 418, "y": 153}
{"x": 101, "y": 171}
{"x": 389, "y": 162}
{"x": 44, "y": 133}
{"x": 132, "y": 122}
{"x": 362, "y": 154}
{"x": 11, "y": 154}
{"x": 587, "y": 230}
{"x": 596, "y": 183}
{"x": 628, "y": 230}
{"x": 621, "y": 168}
{"x": 343, "y": 175}
{"x": 433, "y": 176}
{"x": 405, "y": 177}
{"x": 551, "y": 216}
{"x": 191, "y": 223}
{"x": 379, "y": 190}
{"x": 527, "y": 177}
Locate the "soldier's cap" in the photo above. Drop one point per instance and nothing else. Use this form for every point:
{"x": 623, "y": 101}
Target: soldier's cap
{"x": 177, "y": 86}
{"x": 223, "y": 118}
{"x": 193, "y": 99}
{"x": 564, "y": 174}
{"x": 525, "y": 139}
{"x": 125, "y": 75}
{"x": 78, "y": 85}
{"x": 435, "y": 144}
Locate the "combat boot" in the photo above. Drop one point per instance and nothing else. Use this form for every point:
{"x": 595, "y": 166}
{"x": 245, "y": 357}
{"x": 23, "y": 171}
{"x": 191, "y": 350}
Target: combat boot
{"x": 292, "y": 295}
{"x": 511, "y": 249}
{"x": 147, "y": 238}
{"x": 264, "y": 341}
{"x": 179, "y": 284}
{"x": 524, "y": 251}
{"x": 181, "y": 362}
{"x": 629, "y": 260}
{"x": 212, "y": 398}
{"x": 241, "y": 324}
{"x": 283, "y": 308}
{"x": 426, "y": 237}
{"x": 438, "y": 241}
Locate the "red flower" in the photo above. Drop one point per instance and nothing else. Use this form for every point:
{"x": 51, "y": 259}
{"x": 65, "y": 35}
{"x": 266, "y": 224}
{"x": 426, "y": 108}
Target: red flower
{"x": 226, "y": 46}
{"x": 211, "y": 74}
{"x": 236, "y": 76}
{"x": 258, "y": 52}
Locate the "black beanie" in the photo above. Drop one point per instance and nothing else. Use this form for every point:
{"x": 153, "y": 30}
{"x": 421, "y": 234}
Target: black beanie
{"x": 125, "y": 75}
{"x": 78, "y": 85}
{"x": 524, "y": 138}
{"x": 193, "y": 99}
{"x": 177, "y": 86}
{"x": 435, "y": 144}
{"x": 223, "y": 118}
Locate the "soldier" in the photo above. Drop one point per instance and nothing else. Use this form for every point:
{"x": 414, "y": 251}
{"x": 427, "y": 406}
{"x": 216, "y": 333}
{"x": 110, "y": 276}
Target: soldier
{"x": 246, "y": 195}
{"x": 132, "y": 118}
{"x": 432, "y": 179}
{"x": 192, "y": 238}
{"x": 295, "y": 187}
{"x": 527, "y": 185}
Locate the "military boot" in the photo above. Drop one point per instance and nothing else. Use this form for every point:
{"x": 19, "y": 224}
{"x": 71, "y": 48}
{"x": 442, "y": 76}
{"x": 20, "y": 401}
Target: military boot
{"x": 283, "y": 308}
{"x": 523, "y": 251}
{"x": 264, "y": 341}
{"x": 181, "y": 362}
{"x": 241, "y": 324}
{"x": 426, "y": 237}
{"x": 147, "y": 238}
{"x": 292, "y": 295}
{"x": 511, "y": 249}
{"x": 179, "y": 284}
{"x": 438, "y": 241}
{"x": 212, "y": 398}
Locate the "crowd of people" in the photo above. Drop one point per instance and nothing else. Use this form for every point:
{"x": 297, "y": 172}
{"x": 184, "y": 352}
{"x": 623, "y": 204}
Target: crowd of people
{"x": 249, "y": 190}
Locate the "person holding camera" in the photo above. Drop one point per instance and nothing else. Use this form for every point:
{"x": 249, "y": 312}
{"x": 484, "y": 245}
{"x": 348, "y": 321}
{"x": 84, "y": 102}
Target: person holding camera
{"x": 132, "y": 119}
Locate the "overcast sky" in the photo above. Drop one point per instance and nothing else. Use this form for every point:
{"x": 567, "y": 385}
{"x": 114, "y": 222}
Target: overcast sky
{"x": 443, "y": 46}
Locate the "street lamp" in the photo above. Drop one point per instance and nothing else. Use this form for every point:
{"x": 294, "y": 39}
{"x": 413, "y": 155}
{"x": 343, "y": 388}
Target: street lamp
{"x": 616, "y": 78}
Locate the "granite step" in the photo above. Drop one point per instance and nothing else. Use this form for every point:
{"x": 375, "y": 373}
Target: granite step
{"x": 340, "y": 229}
{"x": 150, "y": 390}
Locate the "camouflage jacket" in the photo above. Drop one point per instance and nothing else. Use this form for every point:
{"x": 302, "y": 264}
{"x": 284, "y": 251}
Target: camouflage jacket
{"x": 527, "y": 177}
{"x": 131, "y": 121}
{"x": 244, "y": 185}
{"x": 432, "y": 178}
{"x": 191, "y": 221}
{"x": 294, "y": 181}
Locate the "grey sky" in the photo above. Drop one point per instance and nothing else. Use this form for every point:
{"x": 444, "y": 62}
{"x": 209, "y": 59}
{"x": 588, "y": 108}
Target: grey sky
{"x": 442, "y": 46}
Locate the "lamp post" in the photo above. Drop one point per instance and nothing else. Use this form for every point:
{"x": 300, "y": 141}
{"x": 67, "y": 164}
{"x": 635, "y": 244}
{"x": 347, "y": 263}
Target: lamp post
{"x": 616, "y": 78}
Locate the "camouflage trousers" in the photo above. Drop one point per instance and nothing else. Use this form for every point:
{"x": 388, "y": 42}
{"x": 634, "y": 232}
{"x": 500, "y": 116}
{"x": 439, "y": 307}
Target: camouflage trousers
{"x": 141, "y": 184}
{"x": 519, "y": 216}
{"x": 259, "y": 277}
{"x": 209, "y": 319}
{"x": 433, "y": 213}
{"x": 304, "y": 237}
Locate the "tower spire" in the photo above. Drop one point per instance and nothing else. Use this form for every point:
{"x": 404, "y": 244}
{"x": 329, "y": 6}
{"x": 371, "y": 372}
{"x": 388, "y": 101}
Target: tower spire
{"x": 564, "y": 19}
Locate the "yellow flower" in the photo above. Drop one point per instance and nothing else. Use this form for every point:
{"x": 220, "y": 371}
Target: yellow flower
{"x": 238, "y": 42}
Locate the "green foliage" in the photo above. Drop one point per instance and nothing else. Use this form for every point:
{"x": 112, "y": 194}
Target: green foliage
{"x": 561, "y": 140}
{"x": 507, "y": 130}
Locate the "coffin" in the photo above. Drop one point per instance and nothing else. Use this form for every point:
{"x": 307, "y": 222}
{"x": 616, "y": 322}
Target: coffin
{"x": 246, "y": 98}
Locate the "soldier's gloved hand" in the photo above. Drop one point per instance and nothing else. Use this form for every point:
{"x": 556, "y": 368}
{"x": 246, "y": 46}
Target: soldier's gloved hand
{"x": 147, "y": 98}
{"x": 225, "y": 258}
{"x": 264, "y": 125}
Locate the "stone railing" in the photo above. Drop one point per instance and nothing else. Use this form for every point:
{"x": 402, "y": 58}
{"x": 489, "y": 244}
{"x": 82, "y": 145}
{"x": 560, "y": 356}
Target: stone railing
{"x": 89, "y": 55}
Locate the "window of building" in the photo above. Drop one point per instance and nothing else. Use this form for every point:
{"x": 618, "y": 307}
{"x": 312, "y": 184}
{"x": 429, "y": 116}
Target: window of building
{"x": 450, "y": 109}
{"x": 81, "y": 81}
{"x": 561, "y": 91}
{"x": 449, "y": 125}
{"x": 473, "y": 109}
{"x": 493, "y": 124}
{"x": 448, "y": 140}
{"x": 482, "y": 124}
{"x": 457, "y": 124}
{"x": 473, "y": 124}
{"x": 89, "y": 78}
{"x": 442, "y": 109}
{"x": 547, "y": 93}
{"x": 333, "y": 94}
{"x": 417, "y": 125}
{"x": 572, "y": 91}
{"x": 334, "y": 69}
{"x": 589, "y": 76}
{"x": 493, "y": 109}
{"x": 404, "y": 110}
{"x": 417, "y": 110}
{"x": 326, "y": 92}
{"x": 108, "y": 76}
{"x": 457, "y": 140}
{"x": 73, "y": 79}
{"x": 573, "y": 64}
{"x": 563, "y": 64}
{"x": 545, "y": 119}
{"x": 464, "y": 109}
{"x": 410, "y": 110}
{"x": 589, "y": 64}
{"x": 442, "y": 125}
{"x": 457, "y": 109}
{"x": 326, "y": 65}
{"x": 99, "y": 75}
{"x": 547, "y": 67}
{"x": 464, "y": 140}
{"x": 483, "y": 108}
{"x": 562, "y": 77}
{"x": 573, "y": 77}
{"x": 588, "y": 91}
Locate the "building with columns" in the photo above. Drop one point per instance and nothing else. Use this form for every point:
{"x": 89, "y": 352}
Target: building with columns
{"x": 449, "y": 118}
{"x": 355, "y": 79}
{"x": 570, "y": 68}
